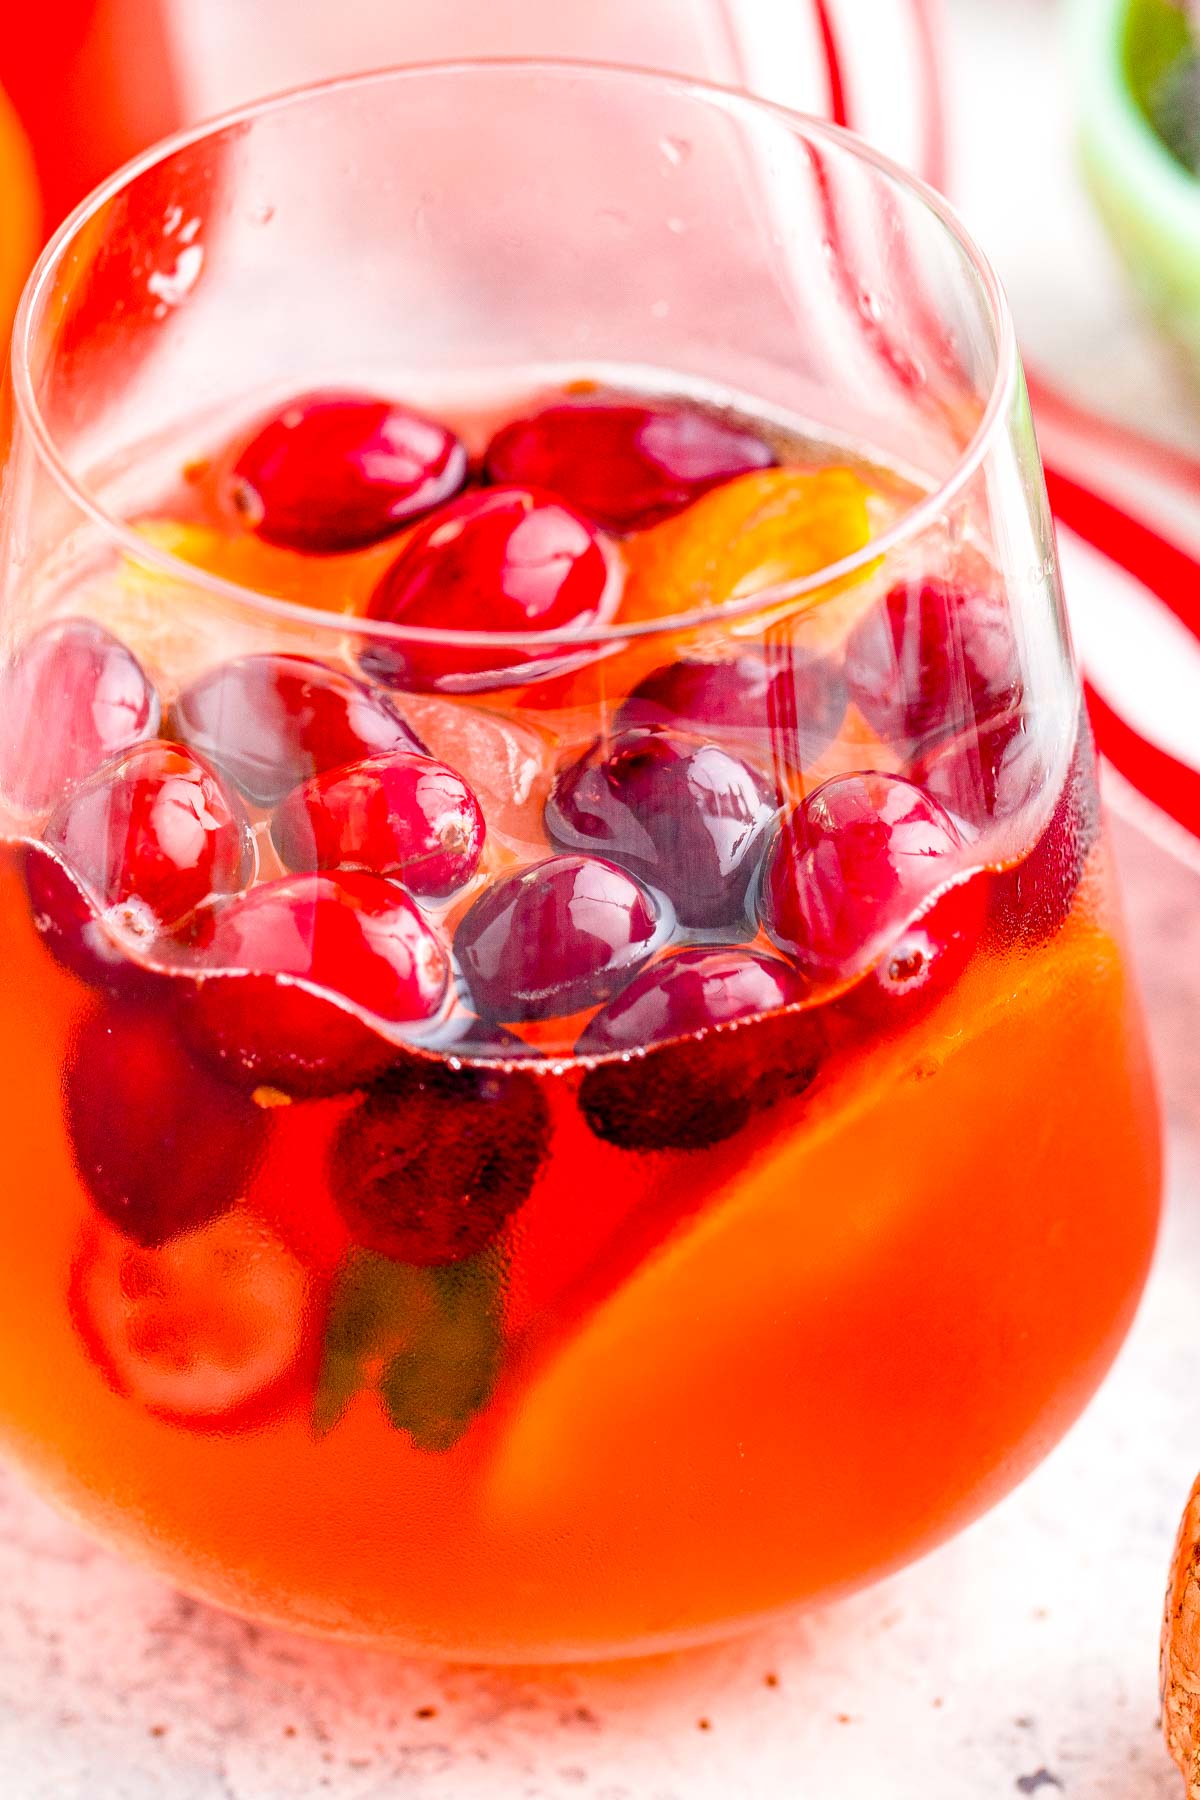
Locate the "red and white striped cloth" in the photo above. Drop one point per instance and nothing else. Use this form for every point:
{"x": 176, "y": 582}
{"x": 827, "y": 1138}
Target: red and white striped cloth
{"x": 1127, "y": 506}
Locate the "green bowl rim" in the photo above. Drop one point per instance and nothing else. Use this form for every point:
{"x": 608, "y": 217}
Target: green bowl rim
{"x": 1117, "y": 132}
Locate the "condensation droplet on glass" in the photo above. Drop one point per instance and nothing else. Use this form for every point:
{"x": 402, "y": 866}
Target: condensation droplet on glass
{"x": 262, "y": 215}
{"x": 869, "y": 304}
{"x": 675, "y": 149}
{"x": 172, "y": 220}
{"x": 677, "y": 226}
{"x": 908, "y": 368}
{"x": 616, "y": 220}
{"x": 172, "y": 286}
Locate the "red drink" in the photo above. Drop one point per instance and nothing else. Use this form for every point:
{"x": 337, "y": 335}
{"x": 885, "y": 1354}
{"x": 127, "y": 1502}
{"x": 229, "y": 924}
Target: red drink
{"x": 566, "y": 1018}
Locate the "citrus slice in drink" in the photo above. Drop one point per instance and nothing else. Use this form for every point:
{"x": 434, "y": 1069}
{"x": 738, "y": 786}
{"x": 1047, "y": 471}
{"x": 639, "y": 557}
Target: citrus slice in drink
{"x": 724, "y": 1366}
{"x": 207, "y": 1330}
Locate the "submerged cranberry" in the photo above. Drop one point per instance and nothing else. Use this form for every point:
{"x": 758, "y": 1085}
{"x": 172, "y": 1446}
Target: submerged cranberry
{"x": 269, "y": 722}
{"x": 73, "y": 697}
{"x": 403, "y": 815}
{"x": 932, "y": 658}
{"x": 781, "y": 704}
{"x": 850, "y": 865}
{"x": 433, "y": 1161}
{"x": 356, "y": 938}
{"x": 732, "y": 1050}
{"x": 161, "y": 1142}
{"x": 506, "y": 559}
{"x": 339, "y": 471}
{"x": 1032, "y": 898}
{"x": 927, "y": 957}
{"x": 214, "y": 1331}
{"x": 983, "y": 774}
{"x": 625, "y": 463}
{"x": 154, "y": 832}
{"x": 555, "y": 937}
{"x": 683, "y": 814}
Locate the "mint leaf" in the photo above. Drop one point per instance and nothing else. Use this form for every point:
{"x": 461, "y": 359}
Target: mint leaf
{"x": 433, "y": 1388}
{"x": 428, "y": 1340}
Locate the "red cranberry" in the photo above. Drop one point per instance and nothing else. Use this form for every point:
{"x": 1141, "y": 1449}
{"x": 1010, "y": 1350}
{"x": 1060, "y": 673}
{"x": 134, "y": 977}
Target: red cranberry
{"x": 932, "y": 659}
{"x": 212, "y": 1331}
{"x": 98, "y": 950}
{"x": 929, "y": 955}
{"x": 74, "y": 697}
{"x": 689, "y": 991}
{"x": 783, "y": 705}
{"x": 984, "y": 774}
{"x": 849, "y": 866}
{"x": 287, "y": 964}
{"x": 506, "y": 559}
{"x": 433, "y": 1161}
{"x": 683, "y": 814}
{"x": 340, "y": 471}
{"x": 403, "y": 815}
{"x": 625, "y": 463}
{"x": 161, "y": 1143}
{"x": 1032, "y": 898}
{"x": 555, "y": 937}
{"x": 154, "y": 832}
{"x": 732, "y": 1052}
{"x": 269, "y": 722}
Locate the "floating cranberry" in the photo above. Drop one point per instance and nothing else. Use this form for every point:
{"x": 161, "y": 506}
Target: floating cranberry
{"x": 403, "y": 815}
{"x": 100, "y": 950}
{"x": 154, "y": 833}
{"x": 683, "y": 814}
{"x": 983, "y": 774}
{"x": 555, "y": 937}
{"x": 781, "y": 704}
{"x": 269, "y": 722}
{"x": 73, "y": 697}
{"x": 433, "y": 1161}
{"x": 849, "y": 866}
{"x": 929, "y": 955}
{"x": 1032, "y": 898}
{"x": 931, "y": 659}
{"x": 337, "y": 472}
{"x": 161, "y": 1143}
{"x": 732, "y": 1052}
{"x": 689, "y": 991}
{"x": 623, "y": 462}
{"x": 506, "y": 559}
{"x": 286, "y": 968}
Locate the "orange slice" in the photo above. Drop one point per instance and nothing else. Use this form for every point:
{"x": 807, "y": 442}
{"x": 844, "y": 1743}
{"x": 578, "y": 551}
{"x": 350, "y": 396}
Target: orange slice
{"x": 20, "y": 216}
{"x": 759, "y": 531}
{"x": 754, "y": 1345}
{"x": 756, "y": 532}
{"x": 331, "y": 583}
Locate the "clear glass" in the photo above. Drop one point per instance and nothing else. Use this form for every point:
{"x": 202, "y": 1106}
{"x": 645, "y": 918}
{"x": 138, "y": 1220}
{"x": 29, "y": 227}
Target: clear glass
{"x": 535, "y": 1318}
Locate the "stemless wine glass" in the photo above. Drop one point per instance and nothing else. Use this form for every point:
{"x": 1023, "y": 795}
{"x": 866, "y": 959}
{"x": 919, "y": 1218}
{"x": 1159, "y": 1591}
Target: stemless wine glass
{"x": 570, "y": 1076}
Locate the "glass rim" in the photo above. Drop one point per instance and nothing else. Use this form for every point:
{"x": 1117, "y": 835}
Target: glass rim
{"x": 733, "y": 100}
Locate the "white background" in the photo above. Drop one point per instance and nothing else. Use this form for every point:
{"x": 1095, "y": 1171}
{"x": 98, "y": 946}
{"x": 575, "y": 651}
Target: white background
{"x": 1019, "y": 1660}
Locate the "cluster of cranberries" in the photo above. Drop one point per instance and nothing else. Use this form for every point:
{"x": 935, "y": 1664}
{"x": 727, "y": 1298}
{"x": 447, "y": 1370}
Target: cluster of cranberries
{"x": 673, "y": 825}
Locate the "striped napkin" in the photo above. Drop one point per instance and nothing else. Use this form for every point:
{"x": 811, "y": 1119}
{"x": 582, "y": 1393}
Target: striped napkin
{"x": 1127, "y": 506}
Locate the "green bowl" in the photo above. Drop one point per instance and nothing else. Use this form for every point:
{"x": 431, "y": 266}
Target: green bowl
{"x": 1149, "y": 201}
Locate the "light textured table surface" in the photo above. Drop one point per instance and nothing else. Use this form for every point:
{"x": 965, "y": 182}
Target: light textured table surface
{"x": 1018, "y": 1660}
